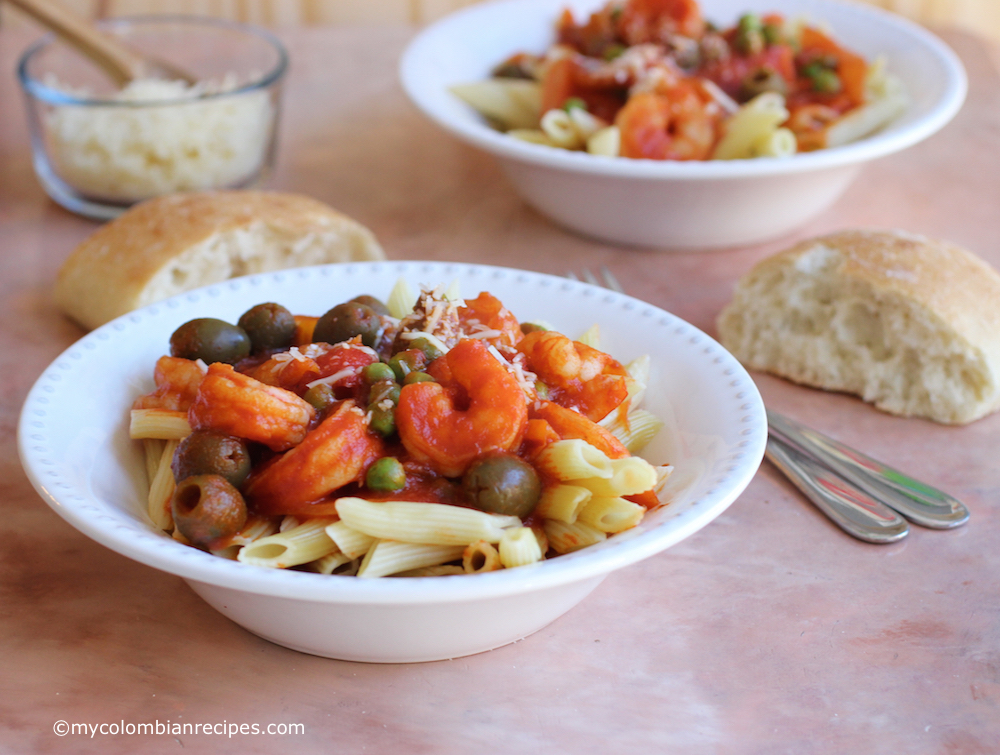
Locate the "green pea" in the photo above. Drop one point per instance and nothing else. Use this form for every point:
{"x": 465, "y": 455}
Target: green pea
{"x": 320, "y": 396}
{"x": 382, "y": 390}
{"x": 377, "y": 371}
{"x": 418, "y": 377}
{"x": 386, "y": 474}
{"x": 826, "y": 81}
{"x": 383, "y": 421}
{"x": 542, "y": 390}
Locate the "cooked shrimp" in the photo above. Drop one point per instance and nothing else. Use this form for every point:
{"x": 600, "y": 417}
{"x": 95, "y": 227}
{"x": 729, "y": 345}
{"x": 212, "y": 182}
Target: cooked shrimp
{"x": 338, "y": 451}
{"x": 485, "y": 317}
{"x": 810, "y": 124}
{"x": 569, "y": 424}
{"x": 177, "y": 382}
{"x": 577, "y": 376}
{"x": 675, "y": 125}
{"x": 477, "y": 406}
{"x": 236, "y": 404}
{"x": 658, "y": 20}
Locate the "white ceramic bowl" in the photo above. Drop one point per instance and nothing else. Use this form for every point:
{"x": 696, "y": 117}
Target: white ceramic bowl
{"x": 74, "y": 444}
{"x": 679, "y": 205}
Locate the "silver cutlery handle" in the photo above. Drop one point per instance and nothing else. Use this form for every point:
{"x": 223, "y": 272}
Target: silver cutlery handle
{"x": 918, "y": 502}
{"x": 849, "y": 507}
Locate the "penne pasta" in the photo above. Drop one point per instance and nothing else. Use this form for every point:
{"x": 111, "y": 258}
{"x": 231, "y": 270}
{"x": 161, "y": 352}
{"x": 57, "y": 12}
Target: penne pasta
{"x": 754, "y": 122}
{"x": 519, "y": 547}
{"x": 423, "y": 523}
{"x": 562, "y": 502}
{"x": 298, "y": 545}
{"x": 630, "y": 476}
{"x": 566, "y": 538}
{"x": 591, "y": 336}
{"x": 611, "y": 514}
{"x": 350, "y": 541}
{"x": 481, "y": 556}
{"x": 636, "y": 430}
{"x": 605, "y": 143}
{"x": 401, "y": 299}
{"x": 334, "y": 563}
{"x": 560, "y": 129}
{"x": 387, "y": 557}
{"x": 779, "y": 143}
{"x": 511, "y": 103}
{"x": 161, "y": 489}
{"x": 575, "y": 459}
{"x": 161, "y": 424}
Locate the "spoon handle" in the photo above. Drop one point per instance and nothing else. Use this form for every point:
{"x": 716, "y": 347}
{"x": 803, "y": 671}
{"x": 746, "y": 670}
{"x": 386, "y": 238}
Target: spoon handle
{"x": 918, "y": 502}
{"x": 120, "y": 63}
{"x": 847, "y": 506}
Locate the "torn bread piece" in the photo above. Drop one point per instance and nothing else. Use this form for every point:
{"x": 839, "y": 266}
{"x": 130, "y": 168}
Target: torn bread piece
{"x": 908, "y": 323}
{"x": 171, "y": 244}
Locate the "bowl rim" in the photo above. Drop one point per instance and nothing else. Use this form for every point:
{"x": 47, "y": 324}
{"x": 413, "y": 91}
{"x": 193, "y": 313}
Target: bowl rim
{"x": 32, "y": 87}
{"x": 158, "y": 551}
{"x": 877, "y": 145}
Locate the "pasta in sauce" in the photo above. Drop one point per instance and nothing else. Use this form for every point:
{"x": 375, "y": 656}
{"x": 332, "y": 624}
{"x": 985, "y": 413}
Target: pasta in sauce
{"x": 415, "y": 439}
{"x": 652, "y": 79}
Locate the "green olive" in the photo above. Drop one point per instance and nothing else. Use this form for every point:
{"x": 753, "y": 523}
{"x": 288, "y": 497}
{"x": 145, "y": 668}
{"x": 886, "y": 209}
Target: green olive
{"x": 407, "y": 361}
{"x": 418, "y": 377}
{"x": 764, "y": 79}
{"x": 386, "y": 474}
{"x": 379, "y": 371}
{"x": 383, "y": 421}
{"x": 208, "y": 453}
{"x": 210, "y": 340}
{"x": 346, "y": 321}
{"x": 270, "y": 326}
{"x": 320, "y": 396}
{"x": 431, "y": 352}
{"x": 531, "y": 327}
{"x": 373, "y": 303}
{"x": 502, "y": 483}
{"x": 207, "y": 509}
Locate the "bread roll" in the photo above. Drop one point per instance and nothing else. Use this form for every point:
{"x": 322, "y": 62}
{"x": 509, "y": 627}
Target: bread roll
{"x": 175, "y": 243}
{"x": 907, "y": 323}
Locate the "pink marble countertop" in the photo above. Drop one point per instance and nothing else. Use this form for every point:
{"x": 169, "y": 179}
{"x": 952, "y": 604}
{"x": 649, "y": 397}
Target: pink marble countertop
{"x": 768, "y": 632}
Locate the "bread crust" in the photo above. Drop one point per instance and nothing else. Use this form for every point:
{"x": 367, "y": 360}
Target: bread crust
{"x": 930, "y": 298}
{"x": 124, "y": 264}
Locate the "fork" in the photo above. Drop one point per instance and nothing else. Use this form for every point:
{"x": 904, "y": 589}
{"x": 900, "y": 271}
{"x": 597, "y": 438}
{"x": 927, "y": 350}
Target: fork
{"x": 867, "y": 499}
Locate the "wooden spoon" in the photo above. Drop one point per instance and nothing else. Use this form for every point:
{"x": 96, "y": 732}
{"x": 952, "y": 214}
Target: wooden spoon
{"x": 120, "y": 62}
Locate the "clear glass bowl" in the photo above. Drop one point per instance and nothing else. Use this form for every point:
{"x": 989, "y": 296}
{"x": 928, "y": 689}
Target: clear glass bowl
{"x": 97, "y": 149}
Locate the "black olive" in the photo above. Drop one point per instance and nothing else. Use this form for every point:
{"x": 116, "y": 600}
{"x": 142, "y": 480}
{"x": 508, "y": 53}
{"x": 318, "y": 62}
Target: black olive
{"x": 502, "y": 483}
{"x": 210, "y": 340}
{"x": 346, "y": 321}
{"x": 207, "y": 453}
{"x": 270, "y": 326}
{"x": 207, "y": 509}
